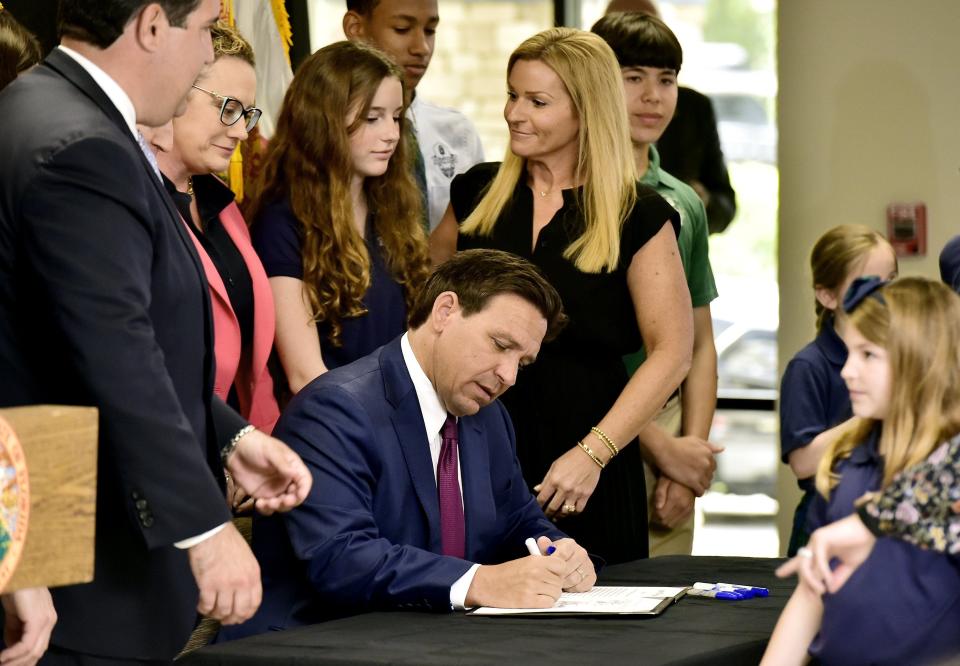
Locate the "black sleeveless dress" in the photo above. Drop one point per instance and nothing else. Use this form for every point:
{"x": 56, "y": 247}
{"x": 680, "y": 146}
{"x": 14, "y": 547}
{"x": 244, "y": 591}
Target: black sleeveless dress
{"x": 577, "y": 377}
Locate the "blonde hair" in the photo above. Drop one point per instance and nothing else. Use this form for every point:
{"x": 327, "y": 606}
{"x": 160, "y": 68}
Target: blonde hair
{"x": 838, "y": 253}
{"x": 918, "y": 323}
{"x": 228, "y": 42}
{"x": 605, "y": 163}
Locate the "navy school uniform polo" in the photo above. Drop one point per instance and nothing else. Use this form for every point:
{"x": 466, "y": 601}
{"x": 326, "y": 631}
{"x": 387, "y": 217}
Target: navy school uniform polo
{"x": 902, "y": 605}
{"x": 813, "y": 396}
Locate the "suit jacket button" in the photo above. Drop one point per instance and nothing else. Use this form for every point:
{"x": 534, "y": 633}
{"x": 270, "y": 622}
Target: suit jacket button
{"x": 147, "y": 521}
{"x": 141, "y": 504}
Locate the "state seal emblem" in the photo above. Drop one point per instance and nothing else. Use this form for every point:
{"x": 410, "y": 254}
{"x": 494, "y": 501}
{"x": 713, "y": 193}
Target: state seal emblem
{"x": 14, "y": 502}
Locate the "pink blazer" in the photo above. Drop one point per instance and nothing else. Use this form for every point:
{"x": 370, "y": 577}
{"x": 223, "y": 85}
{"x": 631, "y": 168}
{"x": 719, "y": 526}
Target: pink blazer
{"x": 254, "y": 384}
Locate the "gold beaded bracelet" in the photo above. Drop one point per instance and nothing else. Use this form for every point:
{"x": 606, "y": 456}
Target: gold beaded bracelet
{"x": 593, "y": 456}
{"x": 227, "y": 450}
{"x": 614, "y": 450}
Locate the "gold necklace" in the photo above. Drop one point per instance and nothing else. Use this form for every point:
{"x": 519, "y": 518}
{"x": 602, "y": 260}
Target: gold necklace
{"x": 190, "y": 187}
{"x": 545, "y": 193}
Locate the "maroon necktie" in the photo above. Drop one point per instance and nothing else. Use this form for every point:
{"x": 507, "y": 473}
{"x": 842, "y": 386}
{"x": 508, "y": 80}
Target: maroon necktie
{"x": 448, "y": 486}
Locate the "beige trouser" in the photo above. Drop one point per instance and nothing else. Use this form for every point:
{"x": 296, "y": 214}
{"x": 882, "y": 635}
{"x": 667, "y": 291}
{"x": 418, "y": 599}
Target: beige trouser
{"x": 664, "y": 541}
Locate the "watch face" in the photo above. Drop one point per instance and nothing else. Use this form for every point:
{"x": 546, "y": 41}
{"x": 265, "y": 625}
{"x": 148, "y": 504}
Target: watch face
{"x": 14, "y": 501}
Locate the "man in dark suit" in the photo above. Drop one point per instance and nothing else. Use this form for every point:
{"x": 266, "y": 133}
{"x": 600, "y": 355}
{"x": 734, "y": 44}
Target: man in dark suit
{"x": 103, "y": 302}
{"x": 393, "y": 438}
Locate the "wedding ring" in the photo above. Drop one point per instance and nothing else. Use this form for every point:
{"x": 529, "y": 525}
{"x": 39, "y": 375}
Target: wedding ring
{"x": 805, "y": 553}
{"x": 569, "y": 508}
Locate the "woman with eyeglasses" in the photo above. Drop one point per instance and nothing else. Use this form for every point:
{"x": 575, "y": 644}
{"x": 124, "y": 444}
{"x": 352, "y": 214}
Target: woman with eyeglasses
{"x": 337, "y": 213}
{"x": 218, "y": 116}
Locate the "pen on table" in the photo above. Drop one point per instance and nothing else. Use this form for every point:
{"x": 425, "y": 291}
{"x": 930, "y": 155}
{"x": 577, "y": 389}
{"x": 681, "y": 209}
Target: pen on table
{"x": 534, "y": 549}
{"x": 733, "y": 587}
{"x": 715, "y": 594}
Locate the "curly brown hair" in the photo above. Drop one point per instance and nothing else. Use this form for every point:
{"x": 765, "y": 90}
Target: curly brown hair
{"x": 308, "y": 162}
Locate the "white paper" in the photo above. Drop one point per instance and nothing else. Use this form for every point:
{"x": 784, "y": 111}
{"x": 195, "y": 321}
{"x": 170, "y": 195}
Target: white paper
{"x": 601, "y": 599}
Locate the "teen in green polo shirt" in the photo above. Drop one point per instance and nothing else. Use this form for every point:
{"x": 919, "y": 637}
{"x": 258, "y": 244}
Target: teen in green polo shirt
{"x": 681, "y": 460}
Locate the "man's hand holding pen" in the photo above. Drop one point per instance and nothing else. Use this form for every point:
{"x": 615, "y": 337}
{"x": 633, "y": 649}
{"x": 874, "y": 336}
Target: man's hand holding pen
{"x": 535, "y": 581}
{"x": 580, "y": 574}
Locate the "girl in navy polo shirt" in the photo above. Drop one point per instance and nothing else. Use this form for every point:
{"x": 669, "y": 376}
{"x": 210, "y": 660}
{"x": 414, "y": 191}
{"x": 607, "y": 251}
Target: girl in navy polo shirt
{"x": 813, "y": 398}
{"x": 902, "y": 605}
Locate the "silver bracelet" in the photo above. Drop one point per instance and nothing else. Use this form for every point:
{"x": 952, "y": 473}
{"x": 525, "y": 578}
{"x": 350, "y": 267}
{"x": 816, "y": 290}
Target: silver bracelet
{"x": 228, "y": 449}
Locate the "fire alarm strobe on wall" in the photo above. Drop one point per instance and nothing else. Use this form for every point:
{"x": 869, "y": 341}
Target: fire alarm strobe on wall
{"x": 907, "y": 228}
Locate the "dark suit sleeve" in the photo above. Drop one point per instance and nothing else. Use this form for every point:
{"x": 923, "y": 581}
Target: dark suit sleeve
{"x": 87, "y": 233}
{"x": 226, "y": 422}
{"x": 334, "y": 532}
{"x": 713, "y": 173}
{"x": 523, "y": 517}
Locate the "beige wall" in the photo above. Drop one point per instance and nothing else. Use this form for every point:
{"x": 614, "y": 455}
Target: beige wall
{"x": 869, "y": 113}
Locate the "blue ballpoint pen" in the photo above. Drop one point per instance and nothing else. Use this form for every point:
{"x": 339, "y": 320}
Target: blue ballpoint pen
{"x": 753, "y": 591}
{"x": 757, "y": 591}
{"x": 715, "y": 594}
{"x": 534, "y": 549}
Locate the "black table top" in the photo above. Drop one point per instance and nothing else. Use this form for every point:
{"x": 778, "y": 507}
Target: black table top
{"x": 693, "y": 631}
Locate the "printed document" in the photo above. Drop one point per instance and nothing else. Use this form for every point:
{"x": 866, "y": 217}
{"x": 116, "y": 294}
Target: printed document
{"x": 603, "y": 600}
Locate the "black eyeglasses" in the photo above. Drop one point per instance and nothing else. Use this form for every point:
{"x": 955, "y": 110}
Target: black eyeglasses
{"x": 231, "y": 110}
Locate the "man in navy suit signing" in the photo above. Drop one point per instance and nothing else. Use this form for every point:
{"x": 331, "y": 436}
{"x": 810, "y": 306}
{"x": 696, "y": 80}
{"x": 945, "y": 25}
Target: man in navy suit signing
{"x": 419, "y": 501}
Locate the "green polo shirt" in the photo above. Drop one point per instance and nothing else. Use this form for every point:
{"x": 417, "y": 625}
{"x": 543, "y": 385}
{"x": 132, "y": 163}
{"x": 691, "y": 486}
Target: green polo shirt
{"x": 692, "y": 241}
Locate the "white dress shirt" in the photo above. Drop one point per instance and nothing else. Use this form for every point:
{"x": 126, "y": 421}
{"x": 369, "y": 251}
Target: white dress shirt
{"x": 449, "y": 144}
{"x": 124, "y": 104}
{"x": 434, "y": 415}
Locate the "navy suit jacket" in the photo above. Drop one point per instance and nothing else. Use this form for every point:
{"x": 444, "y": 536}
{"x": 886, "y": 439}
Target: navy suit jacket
{"x": 103, "y": 302}
{"x": 368, "y": 536}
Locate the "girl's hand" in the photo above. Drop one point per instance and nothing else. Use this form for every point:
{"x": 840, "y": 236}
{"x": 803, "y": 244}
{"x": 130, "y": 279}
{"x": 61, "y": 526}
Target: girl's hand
{"x": 846, "y": 540}
{"x": 568, "y": 485}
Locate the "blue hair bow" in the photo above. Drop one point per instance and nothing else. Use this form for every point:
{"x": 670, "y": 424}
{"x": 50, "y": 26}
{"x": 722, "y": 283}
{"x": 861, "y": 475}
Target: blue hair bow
{"x": 861, "y": 288}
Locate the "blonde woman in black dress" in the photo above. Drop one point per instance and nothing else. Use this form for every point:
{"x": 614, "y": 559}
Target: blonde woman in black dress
{"x": 566, "y": 197}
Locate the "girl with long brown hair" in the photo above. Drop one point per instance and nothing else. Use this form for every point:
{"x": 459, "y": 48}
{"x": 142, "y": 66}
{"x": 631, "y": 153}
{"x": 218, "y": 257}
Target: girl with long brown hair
{"x": 337, "y": 212}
